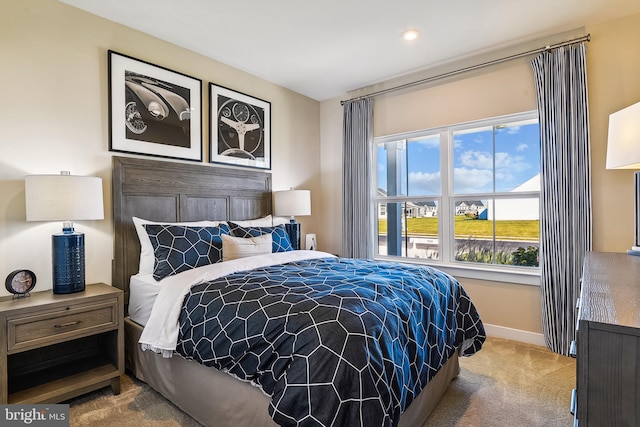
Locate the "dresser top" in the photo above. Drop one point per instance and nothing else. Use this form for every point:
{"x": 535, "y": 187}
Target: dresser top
{"x": 41, "y": 298}
{"x": 611, "y": 289}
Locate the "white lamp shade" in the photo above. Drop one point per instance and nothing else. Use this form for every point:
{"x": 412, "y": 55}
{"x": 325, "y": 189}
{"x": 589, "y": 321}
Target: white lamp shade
{"x": 292, "y": 202}
{"x": 623, "y": 145}
{"x": 63, "y": 198}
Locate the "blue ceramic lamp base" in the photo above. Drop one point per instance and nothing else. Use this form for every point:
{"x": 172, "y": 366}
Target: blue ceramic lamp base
{"x": 68, "y": 261}
{"x": 293, "y": 230}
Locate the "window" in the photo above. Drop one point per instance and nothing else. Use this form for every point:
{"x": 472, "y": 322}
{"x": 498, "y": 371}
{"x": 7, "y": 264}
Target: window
{"x": 465, "y": 195}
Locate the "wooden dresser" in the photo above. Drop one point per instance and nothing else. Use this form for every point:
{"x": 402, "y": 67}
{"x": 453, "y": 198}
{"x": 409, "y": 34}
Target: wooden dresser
{"x": 608, "y": 342}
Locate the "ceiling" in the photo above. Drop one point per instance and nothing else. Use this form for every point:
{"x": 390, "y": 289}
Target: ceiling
{"x": 324, "y": 49}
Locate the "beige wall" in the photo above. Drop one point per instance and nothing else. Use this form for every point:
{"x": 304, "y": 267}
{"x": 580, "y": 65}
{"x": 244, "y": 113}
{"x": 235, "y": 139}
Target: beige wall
{"x": 613, "y": 68}
{"x": 495, "y": 91}
{"x": 613, "y": 71}
{"x": 53, "y": 116}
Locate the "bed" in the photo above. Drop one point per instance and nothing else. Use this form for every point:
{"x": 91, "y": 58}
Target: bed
{"x": 169, "y": 194}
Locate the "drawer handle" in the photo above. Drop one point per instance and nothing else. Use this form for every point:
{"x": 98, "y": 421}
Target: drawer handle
{"x": 66, "y": 325}
{"x": 574, "y": 401}
{"x": 573, "y": 350}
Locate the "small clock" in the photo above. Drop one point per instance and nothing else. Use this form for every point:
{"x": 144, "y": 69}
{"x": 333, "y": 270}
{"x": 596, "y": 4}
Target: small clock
{"x": 20, "y": 282}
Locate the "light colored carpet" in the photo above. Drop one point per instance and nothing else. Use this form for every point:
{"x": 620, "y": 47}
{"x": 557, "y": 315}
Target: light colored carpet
{"x": 509, "y": 383}
{"x": 506, "y": 384}
{"x": 136, "y": 405}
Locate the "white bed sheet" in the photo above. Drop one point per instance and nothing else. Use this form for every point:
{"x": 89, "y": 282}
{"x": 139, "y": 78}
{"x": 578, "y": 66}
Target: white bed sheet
{"x": 143, "y": 290}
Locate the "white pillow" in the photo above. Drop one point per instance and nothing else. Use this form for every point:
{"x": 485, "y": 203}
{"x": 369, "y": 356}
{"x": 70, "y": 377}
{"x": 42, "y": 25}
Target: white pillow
{"x": 265, "y": 221}
{"x": 146, "y": 250}
{"x": 239, "y": 247}
{"x": 278, "y": 220}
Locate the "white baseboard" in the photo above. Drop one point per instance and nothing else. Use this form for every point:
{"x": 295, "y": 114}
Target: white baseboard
{"x": 514, "y": 334}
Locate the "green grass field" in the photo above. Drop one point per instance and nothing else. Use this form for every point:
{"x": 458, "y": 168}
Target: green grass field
{"x": 466, "y": 227}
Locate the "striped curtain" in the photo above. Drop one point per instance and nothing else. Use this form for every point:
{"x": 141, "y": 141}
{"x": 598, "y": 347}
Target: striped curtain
{"x": 565, "y": 193}
{"x": 356, "y": 179}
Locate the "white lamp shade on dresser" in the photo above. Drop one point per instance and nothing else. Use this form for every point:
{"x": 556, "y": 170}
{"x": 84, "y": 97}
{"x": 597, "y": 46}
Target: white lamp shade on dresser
{"x": 623, "y": 144}
{"x": 623, "y": 152}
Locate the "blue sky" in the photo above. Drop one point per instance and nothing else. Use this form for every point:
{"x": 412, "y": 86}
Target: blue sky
{"x": 517, "y": 159}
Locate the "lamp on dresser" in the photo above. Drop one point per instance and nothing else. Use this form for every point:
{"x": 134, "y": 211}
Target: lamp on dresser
{"x": 623, "y": 152}
{"x": 292, "y": 203}
{"x": 66, "y": 198}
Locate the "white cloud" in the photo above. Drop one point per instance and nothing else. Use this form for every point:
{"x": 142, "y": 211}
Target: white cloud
{"x": 512, "y": 130}
{"x": 429, "y": 142}
{"x": 522, "y": 147}
{"x": 475, "y": 171}
{"x": 484, "y": 160}
{"x": 472, "y": 180}
{"x": 476, "y": 159}
{"x": 507, "y": 162}
{"x": 421, "y": 183}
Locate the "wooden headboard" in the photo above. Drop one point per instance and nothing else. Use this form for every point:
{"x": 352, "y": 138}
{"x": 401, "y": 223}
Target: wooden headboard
{"x": 175, "y": 192}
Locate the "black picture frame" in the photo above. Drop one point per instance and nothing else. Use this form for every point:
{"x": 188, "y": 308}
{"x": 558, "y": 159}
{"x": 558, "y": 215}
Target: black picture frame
{"x": 239, "y": 128}
{"x": 153, "y": 110}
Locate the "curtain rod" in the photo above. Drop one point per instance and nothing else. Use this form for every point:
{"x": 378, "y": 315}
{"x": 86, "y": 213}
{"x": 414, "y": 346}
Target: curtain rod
{"x": 471, "y": 68}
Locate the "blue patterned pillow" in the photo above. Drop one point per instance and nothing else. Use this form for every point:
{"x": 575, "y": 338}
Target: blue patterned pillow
{"x": 179, "y": 248}
{"x": 281, "y": 241}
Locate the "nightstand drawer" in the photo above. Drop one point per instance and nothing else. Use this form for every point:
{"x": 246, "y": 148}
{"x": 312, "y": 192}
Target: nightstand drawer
{"x": 66, "y": 323}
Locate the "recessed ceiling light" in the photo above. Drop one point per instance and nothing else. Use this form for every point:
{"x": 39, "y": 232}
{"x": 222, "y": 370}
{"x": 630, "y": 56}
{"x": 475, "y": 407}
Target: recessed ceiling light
{"x": 410, "y": 34}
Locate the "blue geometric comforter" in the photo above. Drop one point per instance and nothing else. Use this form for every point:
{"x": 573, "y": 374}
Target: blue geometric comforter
{"x": 333, "y": 341}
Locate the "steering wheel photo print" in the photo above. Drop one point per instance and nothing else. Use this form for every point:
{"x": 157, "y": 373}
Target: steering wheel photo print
{"x": 240, "y": 128}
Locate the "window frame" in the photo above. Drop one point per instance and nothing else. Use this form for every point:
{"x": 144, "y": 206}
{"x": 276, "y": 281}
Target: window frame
{"x": 445, "y": 201}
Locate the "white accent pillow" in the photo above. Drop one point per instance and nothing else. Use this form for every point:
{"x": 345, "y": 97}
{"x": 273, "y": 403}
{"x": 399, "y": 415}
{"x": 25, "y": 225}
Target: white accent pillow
{"x": 239, "y": 247}
{"x": 147, "y": 257}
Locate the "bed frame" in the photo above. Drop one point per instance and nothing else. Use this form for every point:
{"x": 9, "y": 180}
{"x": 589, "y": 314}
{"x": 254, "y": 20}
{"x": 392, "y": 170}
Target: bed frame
{"x": 174, "y": 191}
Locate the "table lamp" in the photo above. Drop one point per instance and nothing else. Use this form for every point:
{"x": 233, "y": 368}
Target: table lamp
{"x": 623, "y": 152}
{"x": 292, "y": 203}
{"x": 65, "y": 198}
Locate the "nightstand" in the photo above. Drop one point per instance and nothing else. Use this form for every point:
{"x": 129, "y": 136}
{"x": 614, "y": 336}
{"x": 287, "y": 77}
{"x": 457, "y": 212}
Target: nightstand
{"x": 57, "y": 346}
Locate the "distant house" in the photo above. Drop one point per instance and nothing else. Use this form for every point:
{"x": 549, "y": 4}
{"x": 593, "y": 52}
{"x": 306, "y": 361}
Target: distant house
{"x": 470, "y": 207}
{"x": 421, "y": 209}
{"x": 412, "y": 209}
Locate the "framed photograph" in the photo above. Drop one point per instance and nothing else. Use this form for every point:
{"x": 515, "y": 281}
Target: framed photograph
{"x": 239, "y": 128}
{"x": 153, "y": 110}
